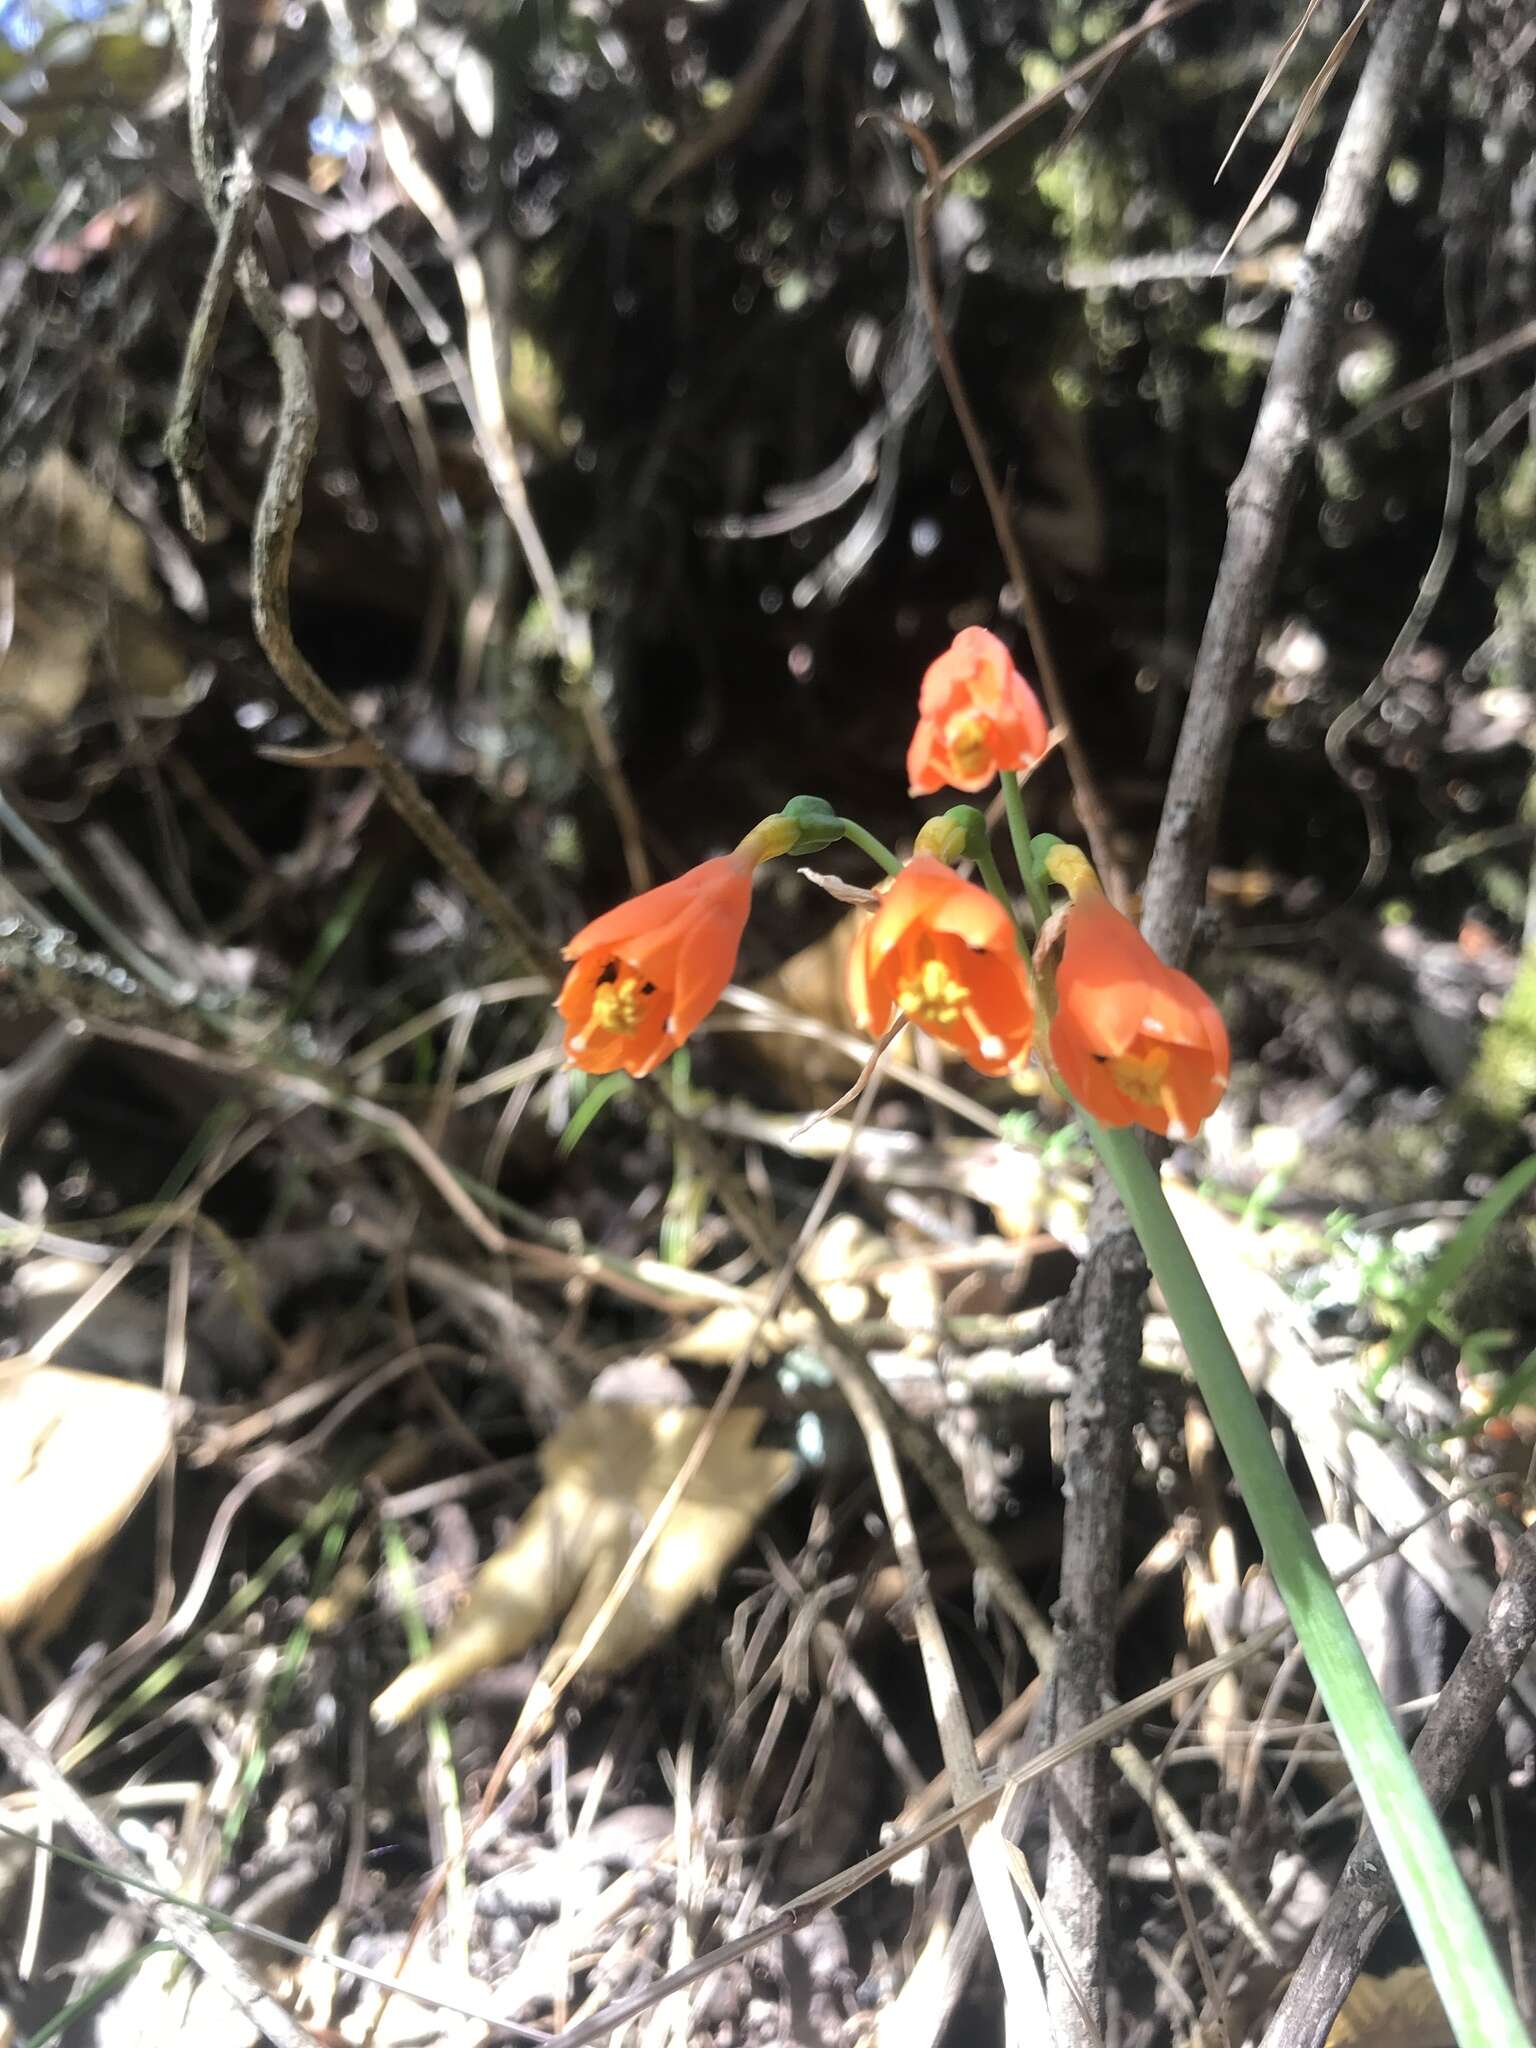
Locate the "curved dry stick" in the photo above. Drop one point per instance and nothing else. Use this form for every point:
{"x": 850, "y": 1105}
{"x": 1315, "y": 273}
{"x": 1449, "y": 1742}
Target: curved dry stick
{"x": 492, "y": 430}
{"x": 222, "y": 169}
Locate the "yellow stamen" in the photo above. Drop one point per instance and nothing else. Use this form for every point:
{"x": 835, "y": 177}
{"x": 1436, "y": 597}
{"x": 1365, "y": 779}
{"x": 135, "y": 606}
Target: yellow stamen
{"x": 1143, "y": 1076}
{"x": 932, "y": 995}
{"x": 619, "y": 1005}
{"x": 967, "y": 736}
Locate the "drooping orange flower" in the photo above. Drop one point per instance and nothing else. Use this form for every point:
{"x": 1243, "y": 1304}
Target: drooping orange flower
{"x": 976, "y": 714}
{"x": 646, "y": 973}
{"x": 941, "y": 950}
{"x": 1134, "y": 1040}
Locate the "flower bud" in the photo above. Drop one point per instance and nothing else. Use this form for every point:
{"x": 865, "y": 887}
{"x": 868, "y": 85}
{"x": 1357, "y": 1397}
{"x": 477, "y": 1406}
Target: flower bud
{"x": 943, "y": 839}
{"x": 817, "y": 825}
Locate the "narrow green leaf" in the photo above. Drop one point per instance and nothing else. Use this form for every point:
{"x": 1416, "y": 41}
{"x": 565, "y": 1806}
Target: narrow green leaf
{"x": 1455, "y": 1262}
{"x": 586, "y": 1112}
{"x": 1450, "y": 1931}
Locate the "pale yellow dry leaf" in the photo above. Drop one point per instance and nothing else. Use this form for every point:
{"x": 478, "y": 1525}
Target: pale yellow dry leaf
{"x": 605, "y": 1471}
{"x": 842, "y": 1251}
{"x": 811, "y": 983}
{"x": 1400, "y": 2011}
{"x": 82, "y": 602}
{"x": 77, "y": 1451}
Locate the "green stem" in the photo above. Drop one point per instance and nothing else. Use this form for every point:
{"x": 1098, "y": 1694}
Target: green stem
{"x": 992, "y": 875}
{"x": 1018, "y": 829}
{"x": 868, "y": 843}
{"x": 1451, "y": 1933}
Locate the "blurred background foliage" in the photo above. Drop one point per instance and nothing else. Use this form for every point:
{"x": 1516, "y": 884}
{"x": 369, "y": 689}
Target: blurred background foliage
{"x": 692, "y": 219}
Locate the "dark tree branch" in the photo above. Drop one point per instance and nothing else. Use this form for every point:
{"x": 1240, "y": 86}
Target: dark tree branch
{"x": 1106, "y": 1369}
{"x": 1365, "y": 1898}
{"x": 1260, "y": 502}
{"x": 1109, "y": 1290}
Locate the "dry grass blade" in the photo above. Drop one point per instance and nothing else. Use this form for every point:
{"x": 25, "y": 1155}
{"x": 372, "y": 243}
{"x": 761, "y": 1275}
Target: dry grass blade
{"x": 1063, "y": 88}
{"x": 1293, "y": 135}
{"x": 1282, "y": 57}
{"x": 985, "y": 1847}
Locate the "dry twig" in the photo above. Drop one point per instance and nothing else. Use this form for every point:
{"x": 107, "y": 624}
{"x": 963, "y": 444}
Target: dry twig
{"x": 179, "y": 1924}
{"x": 222, "y": 168}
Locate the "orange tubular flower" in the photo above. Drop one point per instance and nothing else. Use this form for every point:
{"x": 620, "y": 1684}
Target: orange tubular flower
{"x": 976, "y": 714}
{"x": 1134, "y": 1040}
{"x": 944, "y": 952}
{"x": 644, "y": 975}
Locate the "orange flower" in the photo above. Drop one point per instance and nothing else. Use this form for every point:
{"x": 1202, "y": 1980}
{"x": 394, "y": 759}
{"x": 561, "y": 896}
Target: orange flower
{"x": 944, "y": 952}
{"x": 976, "y": 714}
{"x": 1134, "y": 1040}
{"x": 646, "y": 973}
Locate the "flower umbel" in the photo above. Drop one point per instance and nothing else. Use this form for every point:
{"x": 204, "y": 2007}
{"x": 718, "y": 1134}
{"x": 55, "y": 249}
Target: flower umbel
{"x": 645, "y": 974}
{"x": 941, "y": 950}
{"x": 1135, "y": 1041}
{"x": 976, "y": 715}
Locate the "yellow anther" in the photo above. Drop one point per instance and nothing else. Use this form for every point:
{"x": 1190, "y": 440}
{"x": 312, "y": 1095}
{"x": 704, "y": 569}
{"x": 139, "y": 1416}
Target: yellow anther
{"x": 619, "y": 1005}
{"x": 968, "y": 742}
{"x": 932, "y": 995}
{"x": 1142, "y": 1076}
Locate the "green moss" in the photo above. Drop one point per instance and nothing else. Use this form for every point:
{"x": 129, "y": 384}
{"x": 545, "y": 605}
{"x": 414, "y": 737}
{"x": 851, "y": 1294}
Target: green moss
{"x": 1508, "y": 521}
{"x": 1087, "y": 191}
{"x": 1501, "y": 1087}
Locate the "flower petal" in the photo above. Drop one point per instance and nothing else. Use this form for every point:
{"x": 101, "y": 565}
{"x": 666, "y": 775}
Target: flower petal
{"x": 1108, "y": 975}
{"x": 706, "y": 958}
{"x": 657, "y": 908}
{"x": 869, "y": 1008}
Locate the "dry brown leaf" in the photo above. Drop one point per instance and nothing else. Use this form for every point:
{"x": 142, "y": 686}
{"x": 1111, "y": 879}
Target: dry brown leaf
{"x": 1400, "y": 2011}
{"x": 605, "y": 1471}
{"x": 77, "y": 1451}
{"x": 78, "y": 600}
{"x": 812, "y": 983}
{"x": 843, "y": 1249}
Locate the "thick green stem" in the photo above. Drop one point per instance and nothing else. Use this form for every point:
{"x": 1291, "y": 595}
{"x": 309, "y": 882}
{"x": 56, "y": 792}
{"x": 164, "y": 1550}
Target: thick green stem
{"x": 868, "y": 843}
{"x": 1018, "y": 830}
{"x": 1450, "y": 1931}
